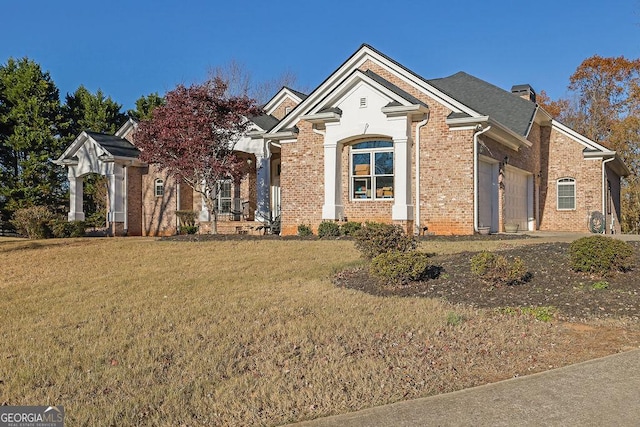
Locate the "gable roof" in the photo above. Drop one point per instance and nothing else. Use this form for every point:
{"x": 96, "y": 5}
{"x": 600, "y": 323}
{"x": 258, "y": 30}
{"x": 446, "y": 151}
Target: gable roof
{"x": 393, "y": 88}
{"x": 114, "y": 145}
{"x": 265, "y": 121}
{"x": 300, "y": 95}
{"x": 506, "y": 108}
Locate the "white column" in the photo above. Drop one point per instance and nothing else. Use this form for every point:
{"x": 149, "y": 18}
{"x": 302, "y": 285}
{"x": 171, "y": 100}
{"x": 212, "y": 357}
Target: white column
{"x": 263, "y": 184}
{"x": 332, "y": 208}
{"x": 204, "y": 215}
{"x": 402, "y": 207}
{"x": 116, "y": 194}
{"x": 76, "y": 188}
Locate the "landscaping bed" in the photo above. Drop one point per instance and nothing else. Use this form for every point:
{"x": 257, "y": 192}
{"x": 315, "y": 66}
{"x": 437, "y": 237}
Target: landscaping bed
{"x": 574, "y": 296}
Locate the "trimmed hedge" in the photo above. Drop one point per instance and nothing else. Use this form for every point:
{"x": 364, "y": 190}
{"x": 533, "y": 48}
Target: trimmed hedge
{"x": 400, "y": 267}
{"x": 600, "y": 255}
{"x": 375, "y": 238}
{"x": 498, "y": 269}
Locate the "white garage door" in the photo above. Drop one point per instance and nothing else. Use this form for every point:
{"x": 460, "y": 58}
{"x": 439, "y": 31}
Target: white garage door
{"x": 516, "y": 197}
{"x": 488, "y": 195}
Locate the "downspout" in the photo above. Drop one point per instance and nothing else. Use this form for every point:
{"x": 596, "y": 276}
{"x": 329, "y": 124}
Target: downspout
{"x": 417, "y": 140}
{"x": 126, "y": 200}
{"x": 177, "y": 206}
{"x": 479, "y": 131}
{"x": 604, "y": 192}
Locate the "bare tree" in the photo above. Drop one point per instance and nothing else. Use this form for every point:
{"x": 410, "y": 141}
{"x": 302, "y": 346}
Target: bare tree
{"x": 240, "y": 81}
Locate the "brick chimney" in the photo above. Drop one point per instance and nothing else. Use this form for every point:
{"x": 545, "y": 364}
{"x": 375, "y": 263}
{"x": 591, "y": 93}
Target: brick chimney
{"x": 524, "y": 92}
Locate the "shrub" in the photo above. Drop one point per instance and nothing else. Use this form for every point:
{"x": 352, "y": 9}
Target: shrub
{"x": 188, "y": 229}
{"x": 498, "y": 269}
{"x": 61, "y": 228}
{"x": 375, "y": 238}
{"x": 33, "y": 222}
{"x": 304, "y": 230}
{"x": 349, "y": 228}
{"x": 328, "y": 229}
{"x": 399, "y": 267}
{"x": 600, "y": 255}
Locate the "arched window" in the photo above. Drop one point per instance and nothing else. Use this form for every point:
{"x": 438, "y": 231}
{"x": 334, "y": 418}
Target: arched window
{"x": 566, "y": 194}
{"x": 372, "y": 170}
{"x": 159, "y": 188}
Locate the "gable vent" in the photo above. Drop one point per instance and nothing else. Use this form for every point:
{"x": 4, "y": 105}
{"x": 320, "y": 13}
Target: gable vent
{"x": 363, "y": 102}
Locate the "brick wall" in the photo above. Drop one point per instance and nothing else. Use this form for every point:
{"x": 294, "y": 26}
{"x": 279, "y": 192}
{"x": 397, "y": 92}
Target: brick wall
{"x": 134, "y": 201}
{"x": 302, "y": 180}
{"x": 563, "y": 158}
{"x": 158, "y": 213}
{"x": 280, "y": 112}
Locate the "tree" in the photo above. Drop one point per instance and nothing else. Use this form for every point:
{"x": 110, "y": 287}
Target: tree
{"x": 145, "y": 106}
{"x": 240, "y": 82}
{"x": 193, "y": 135}
{"x": 29, "y": 118}
{"x": 605, "y": 107}
{"x": 86, "y": 111}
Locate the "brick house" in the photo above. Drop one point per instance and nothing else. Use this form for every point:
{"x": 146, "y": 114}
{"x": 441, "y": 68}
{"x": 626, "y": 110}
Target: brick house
{"x": 377, "y": 142}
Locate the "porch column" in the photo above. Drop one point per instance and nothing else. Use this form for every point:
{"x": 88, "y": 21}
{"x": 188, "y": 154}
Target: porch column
{"x": 263, "y": 186}
{"x": 402, "y": 207}
{"x": 76, "y": 189}
{"x": 332, "y": 208}
{"x": 204, "y": 215}
{"x": 116, "y": 195}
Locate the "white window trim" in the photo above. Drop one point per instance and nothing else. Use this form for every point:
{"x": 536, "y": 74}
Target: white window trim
{"x": 220, "y": 199}
{"x": 158, "y": 184}
{"x": 372, "y": 175}
{"x": 565, "y": 181}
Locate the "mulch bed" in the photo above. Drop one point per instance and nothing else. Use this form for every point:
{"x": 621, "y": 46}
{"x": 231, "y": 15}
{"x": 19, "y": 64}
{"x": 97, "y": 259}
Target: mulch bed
{"x": 552, "y": 283}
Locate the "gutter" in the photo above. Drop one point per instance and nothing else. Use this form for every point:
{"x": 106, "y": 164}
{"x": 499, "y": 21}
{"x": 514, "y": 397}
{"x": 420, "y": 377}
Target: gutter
{"x": 479, "y": 131}
{"x": 604, "y": 192}
{"x": 417, "y": 141}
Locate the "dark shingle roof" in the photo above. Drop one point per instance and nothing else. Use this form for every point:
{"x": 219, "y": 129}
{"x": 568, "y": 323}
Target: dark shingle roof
{"x": 506, "y": 108}
{"x": 393, "y": 88}
{"x": 300, "y": 95}
{"x": 115, "y": 145}
{"x": 265, "y": 121}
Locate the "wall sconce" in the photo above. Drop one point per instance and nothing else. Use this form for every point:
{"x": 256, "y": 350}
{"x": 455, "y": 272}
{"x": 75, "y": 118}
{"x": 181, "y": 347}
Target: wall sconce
{"x": 506, "y": 160}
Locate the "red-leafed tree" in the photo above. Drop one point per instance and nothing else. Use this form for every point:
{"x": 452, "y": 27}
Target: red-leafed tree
{"x": 193, "y": 135}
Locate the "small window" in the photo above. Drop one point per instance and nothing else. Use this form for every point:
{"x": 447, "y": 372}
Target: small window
{"x": 363, "y": 102}
{"x": 159, "y": 188}
{"x": 566, "y": 194}
{"x": 372, "y": 170}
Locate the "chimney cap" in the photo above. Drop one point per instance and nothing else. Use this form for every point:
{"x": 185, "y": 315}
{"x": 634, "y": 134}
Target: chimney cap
{"x": 524, "y": 91}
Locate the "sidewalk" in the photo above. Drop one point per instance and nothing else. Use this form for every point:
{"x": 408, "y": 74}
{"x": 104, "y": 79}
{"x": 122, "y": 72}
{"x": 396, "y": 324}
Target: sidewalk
{"x": 601, "y": 392}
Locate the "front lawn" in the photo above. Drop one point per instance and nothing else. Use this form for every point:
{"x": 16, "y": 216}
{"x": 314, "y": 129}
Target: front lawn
{"x": 246, "y": 332}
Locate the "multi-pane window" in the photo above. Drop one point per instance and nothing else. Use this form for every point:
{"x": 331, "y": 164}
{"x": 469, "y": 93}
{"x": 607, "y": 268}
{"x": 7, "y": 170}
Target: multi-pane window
{"x": 159, "y": 188}
{"x": 224, "y": 198}
{"x": 566, "y": 194}
{"x": 372, "y": 170}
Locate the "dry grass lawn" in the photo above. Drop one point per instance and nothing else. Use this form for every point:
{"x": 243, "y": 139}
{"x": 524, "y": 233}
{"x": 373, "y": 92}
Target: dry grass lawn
{"x": 144, "y": 332}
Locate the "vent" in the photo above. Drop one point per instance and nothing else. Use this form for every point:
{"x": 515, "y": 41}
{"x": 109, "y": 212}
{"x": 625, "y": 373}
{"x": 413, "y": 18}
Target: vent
{"x": 363, "y": 102}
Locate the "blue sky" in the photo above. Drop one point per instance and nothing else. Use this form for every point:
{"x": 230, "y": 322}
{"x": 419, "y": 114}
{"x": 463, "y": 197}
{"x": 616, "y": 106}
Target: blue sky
{"x": 133, "y": 48}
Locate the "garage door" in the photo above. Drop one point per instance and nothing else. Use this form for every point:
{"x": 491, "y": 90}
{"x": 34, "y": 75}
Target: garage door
{"x": 488, "y": 195}
{"x": 516, "y": 198}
